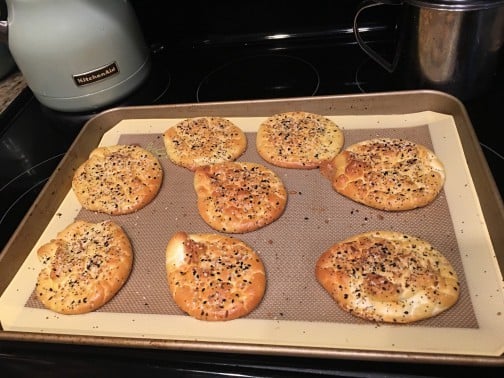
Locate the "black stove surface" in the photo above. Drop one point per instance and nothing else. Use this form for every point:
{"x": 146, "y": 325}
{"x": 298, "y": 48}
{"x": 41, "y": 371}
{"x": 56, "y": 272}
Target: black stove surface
{"x": 33, "y": 139}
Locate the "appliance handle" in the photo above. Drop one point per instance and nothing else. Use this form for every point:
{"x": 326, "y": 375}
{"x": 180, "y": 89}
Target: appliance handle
{"x": 4, "y": 29}
{"x": 368, "y": 50}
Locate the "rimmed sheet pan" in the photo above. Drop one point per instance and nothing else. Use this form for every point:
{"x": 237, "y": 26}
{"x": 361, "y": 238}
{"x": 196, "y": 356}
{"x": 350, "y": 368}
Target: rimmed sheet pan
{"x": 297, "y": 317}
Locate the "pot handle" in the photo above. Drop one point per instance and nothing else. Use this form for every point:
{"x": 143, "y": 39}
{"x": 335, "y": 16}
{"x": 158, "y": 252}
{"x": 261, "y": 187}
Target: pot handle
{"x": 368, "y": 50}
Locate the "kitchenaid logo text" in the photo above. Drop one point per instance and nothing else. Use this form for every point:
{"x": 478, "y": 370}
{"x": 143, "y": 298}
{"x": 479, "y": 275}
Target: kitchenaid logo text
{"x": 96, "y": 75}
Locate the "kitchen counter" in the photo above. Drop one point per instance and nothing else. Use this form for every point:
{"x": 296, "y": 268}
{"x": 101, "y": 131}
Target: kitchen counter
{"x": 10, "y": 87}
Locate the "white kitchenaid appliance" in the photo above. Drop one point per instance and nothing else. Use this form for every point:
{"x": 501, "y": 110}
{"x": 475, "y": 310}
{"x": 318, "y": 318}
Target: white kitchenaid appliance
{"x": 77, "y": 55}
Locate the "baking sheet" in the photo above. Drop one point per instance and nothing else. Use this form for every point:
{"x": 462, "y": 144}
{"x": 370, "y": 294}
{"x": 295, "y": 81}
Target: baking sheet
{"x": 148, "y": 313}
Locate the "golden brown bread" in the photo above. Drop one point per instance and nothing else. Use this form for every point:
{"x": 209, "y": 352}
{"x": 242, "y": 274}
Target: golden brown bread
{"x": 83, "y": 267}
{"x": 195, "y": 142}
{"x": 214, "y": 277}
{"x": 118, "y": 179}
{"x": 388, "y": 276}
{"x": 387, "y": 174}
{"x": 298, "y": 139}
{"x": 238, "y": 197}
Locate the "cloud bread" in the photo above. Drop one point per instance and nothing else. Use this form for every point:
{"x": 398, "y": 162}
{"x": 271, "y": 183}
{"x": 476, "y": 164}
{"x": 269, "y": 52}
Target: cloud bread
{"x": 214, "y": 277}
{"x": 119, "y": 179}
{"x": 83, "y": 267}
{"x": 298, "y": 140}
{"x": 195, "y": 142}
{"x": 238, "y": 197}
{"x": 387, "y": 276}
{"x": 387, "y": 174}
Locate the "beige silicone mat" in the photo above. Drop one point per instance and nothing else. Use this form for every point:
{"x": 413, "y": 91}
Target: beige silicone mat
{"x": 316, "y": 217}
{"x": 295, "y": 311}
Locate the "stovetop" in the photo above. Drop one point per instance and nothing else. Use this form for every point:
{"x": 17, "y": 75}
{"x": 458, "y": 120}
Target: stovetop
{"x": 33, "y": 138}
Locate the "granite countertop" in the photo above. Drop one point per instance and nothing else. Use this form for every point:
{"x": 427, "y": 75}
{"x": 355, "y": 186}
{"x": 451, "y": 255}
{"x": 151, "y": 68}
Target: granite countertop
{"x": 10, "y": 87}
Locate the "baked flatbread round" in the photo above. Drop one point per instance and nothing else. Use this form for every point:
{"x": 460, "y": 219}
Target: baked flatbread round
{"x": 214, "y": 277}
{"x": 83, "y": 267}
{"x": 387, "y": 174}
{"x": 298, "y": 140}
{"x": 119, "y": 179}
{"x": 238, "y": 197}
{"x": 388, "y": 276}
{"x": 195, "y": 142}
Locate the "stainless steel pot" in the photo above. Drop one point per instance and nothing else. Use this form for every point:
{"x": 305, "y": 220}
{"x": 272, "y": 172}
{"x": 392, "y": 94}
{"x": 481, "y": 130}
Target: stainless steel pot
{"x": 454, "y": 46}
